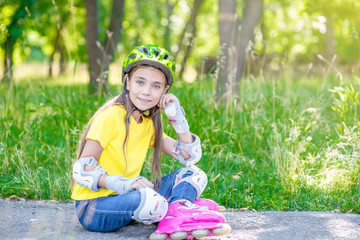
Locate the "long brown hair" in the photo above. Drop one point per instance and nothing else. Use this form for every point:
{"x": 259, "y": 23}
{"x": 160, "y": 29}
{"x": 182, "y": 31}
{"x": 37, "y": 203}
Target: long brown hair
{"x": 154, "y": 113}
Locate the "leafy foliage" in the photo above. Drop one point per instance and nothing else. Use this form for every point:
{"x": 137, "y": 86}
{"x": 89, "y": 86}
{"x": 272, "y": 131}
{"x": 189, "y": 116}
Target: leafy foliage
{"x": 290, "y": 30}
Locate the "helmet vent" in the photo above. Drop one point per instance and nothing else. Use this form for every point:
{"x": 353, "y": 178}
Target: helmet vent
{"x": 166, "y": 56}
{"x": 156, "y": 52}
{"x": 145, "y": 50}
{"x": 132, "y": 56}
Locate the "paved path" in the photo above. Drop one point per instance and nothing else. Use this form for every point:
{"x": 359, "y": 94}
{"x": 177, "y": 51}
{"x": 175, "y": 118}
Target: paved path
{"x": 51, "y": 220}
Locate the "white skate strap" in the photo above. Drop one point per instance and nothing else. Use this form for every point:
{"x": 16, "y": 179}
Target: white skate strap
{"x": 187, "y": 204}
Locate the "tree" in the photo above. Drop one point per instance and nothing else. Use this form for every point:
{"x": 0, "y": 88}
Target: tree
{"x": 59, "y": 46}
{"x": 100, "y": 55}
{"x": 235, "y": 37}
{"x": 191, "y": 27}
{"x": 334, "y": 14}
{"x": 169, "y": 10}
{"x": 252, "y": 13}
{"x": 14, "y": 31}
{"x": 93, "y": 48}
{"x": 227, "y": 30}
{"x": 62, "y": 17}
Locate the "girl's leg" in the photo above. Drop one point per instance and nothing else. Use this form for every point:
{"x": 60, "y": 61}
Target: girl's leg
{"x": 183, "y": 219}
{"x": 109, "y": 213}
{"x": 183, "y": 190}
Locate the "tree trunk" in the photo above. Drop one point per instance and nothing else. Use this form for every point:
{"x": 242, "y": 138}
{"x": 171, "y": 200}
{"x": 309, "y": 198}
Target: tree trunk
{"x": 113, "y": 36}
{"x": 62, "y": 65}
{"x": 56, "y": 46}
{"x": 138, "y": 38}
{"x": 191, "y": 24}
{"x": 100, "y": 57}
{"x": 330, "y": 39}
{"x": 187, "y": 51}
{"x": 8, "y": 60}
{"x": 93, "y": 45}
{"x": 14, "y": 31}
{"x": 170, "y": 10}
{"x": 114, "y": 30}
{"x": 59, "y": 46}
{"x": 192, "y": 18}
{"x": 252, "y": 14}
{"x": 227, "y": 24}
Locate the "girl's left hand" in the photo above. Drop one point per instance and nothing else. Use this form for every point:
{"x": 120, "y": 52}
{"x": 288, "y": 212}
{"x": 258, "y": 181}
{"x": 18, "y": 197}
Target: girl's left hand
{"x": 165, "y": 99}
{"x": 142, "y": 183}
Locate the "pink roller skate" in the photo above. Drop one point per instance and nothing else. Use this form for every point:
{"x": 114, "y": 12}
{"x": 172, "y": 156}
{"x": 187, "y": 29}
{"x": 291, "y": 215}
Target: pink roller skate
{"x": 185, "y": 220}
{"x": 208, "y": 204}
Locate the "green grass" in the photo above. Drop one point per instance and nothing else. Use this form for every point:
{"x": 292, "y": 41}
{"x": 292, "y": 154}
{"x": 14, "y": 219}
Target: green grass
{"x": 284, "y": 145}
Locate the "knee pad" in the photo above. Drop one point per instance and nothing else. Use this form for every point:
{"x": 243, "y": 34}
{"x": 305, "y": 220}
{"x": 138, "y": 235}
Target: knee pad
{"x": 198, "y": 179}
{"x": 194, "y": 149}
{"x": 152, "y": 208}
{"x": 87, "y": 179}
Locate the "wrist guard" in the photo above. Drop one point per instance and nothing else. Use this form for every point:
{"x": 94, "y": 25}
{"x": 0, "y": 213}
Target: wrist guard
{"x": 120, "y": 184}
{"x": 176, "y": 115}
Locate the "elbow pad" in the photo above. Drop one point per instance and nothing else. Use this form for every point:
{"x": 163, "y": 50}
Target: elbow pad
{"x": 87, "y": 179}
{"x": 194, "y": 149}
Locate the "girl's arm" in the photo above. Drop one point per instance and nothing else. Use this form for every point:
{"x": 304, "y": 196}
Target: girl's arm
{"x": 168, "y": 145}
{"x": 93, "y": 149}
{"x": 187, "y": 149}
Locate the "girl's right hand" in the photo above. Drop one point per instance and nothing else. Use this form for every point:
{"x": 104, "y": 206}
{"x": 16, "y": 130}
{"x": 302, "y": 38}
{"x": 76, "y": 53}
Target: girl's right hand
{"x": 166, "y": 99}
{"x": 142, "y": 183}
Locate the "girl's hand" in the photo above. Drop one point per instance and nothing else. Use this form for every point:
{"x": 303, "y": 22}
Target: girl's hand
{"x": 142, "y": 183}
{"x": 165, "y": 99}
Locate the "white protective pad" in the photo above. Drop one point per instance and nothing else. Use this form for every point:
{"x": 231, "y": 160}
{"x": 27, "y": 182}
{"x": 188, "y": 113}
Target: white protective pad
{"x": 198, "y": 179}
{"x": 120, "y": 184}
{"x": 152, "y": 208}
{"x": 193, "y": 149}
{"x": 176, "y": 116}
{"x": 87, "y": 179}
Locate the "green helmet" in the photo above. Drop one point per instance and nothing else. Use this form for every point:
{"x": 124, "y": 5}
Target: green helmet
{"x": 151, "y": 55}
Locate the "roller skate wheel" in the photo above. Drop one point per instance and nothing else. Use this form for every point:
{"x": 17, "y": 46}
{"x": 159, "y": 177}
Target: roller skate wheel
{"x": 160, "y": 236}
{"x": 200, "y": 233}
{"x": 221, "y": 209}
{"x": 223, "y": 230}
{"x": 178, "y": 235}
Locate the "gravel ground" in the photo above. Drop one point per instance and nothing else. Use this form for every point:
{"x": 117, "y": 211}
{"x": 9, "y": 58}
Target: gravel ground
{"x": 53, "y": 220}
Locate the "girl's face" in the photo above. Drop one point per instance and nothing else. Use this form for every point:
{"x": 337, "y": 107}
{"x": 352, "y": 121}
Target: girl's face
{"x": 146, "y": 86}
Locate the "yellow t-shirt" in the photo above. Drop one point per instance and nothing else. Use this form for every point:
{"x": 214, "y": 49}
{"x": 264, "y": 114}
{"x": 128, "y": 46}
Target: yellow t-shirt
{"x": 109, "y": 129}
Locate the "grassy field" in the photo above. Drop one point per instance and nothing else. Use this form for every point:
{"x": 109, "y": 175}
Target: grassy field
{"x": 284, "y": 145}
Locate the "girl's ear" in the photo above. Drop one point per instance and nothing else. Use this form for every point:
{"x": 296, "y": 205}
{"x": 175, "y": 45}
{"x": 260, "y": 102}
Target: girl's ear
{"x": 166, "y": 88}
{"x": 126, "y": 81}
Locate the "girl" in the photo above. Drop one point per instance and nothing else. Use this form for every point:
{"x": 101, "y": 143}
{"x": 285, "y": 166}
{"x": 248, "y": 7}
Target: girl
{"x": 108, "y": 190}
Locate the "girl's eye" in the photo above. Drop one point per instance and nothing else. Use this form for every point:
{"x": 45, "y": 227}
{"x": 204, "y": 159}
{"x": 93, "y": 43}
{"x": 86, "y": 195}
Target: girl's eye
{"x": 140, "y": 82}
{"x": 157, "y": 87}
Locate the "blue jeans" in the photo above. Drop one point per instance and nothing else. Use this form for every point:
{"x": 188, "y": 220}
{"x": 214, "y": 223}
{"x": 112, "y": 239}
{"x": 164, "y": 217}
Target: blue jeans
{"x": 110, "y": 213}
